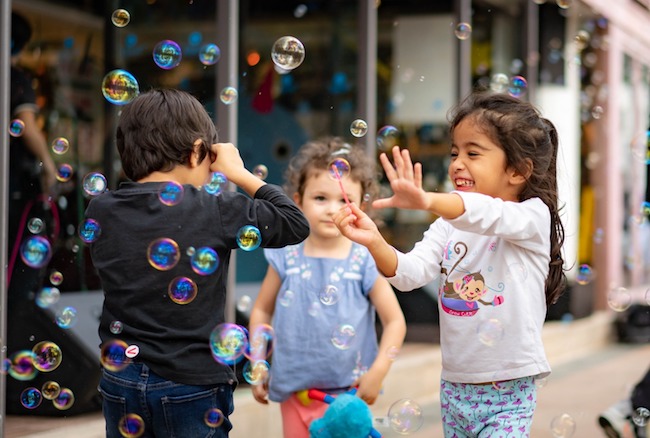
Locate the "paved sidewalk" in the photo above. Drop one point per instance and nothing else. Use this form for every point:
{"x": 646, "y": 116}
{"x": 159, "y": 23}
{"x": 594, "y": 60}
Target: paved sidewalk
{"x": 589, "y": 373}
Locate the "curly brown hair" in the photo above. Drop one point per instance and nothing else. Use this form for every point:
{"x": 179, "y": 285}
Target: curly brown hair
{"x": 318, "y": 155}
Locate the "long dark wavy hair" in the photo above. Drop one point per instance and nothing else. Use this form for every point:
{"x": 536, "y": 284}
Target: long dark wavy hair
{"x": 526, "y": 137}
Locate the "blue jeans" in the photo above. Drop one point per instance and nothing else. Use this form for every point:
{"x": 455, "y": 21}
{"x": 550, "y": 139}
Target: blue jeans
{"x": 169, "y": 409}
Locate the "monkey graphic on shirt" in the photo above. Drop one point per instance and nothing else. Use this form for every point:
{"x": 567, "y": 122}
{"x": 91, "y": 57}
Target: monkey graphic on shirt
{"x": 461, "y": 296}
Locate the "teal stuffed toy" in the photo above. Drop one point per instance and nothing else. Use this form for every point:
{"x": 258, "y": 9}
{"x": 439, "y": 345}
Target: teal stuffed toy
{"x": 347, "y": 417}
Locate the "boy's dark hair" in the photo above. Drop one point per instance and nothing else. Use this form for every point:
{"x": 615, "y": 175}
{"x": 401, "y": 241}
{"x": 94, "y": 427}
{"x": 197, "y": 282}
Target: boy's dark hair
{"x": 21, "y": 32}
{"x": 158, "y": 129}
{"x": 319, "y": 155}
{"x": 526, "y": 137}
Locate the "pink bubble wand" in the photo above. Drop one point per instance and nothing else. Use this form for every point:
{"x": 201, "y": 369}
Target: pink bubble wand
{"x": 338, "y": 178}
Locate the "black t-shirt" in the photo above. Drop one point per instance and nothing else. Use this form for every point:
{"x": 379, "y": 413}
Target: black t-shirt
{"x": 173, "y": 339}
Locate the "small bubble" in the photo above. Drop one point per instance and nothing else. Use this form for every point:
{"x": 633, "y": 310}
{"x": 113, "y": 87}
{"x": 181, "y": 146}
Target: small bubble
{"x": 31, "y": 398}
{"x": 131, "y": 426}
{"x": 209, "y": 54}
{"x": 261, "y": 171}
{"x": 249, "y": 238}
{"x": 387, "y": 137}
{"x": 60, "y": 145}
{"x": 288, "y": 52}
{"x": 463, "y": 31}
{"x": 64, "y": 172}
{"x": 213, "y": 417}
{"x": 182, "y": 290}
{"x": 120, "y": 17}
{"x": 563, "y": 426}
{"x": 359, "y": 128}
{"x": 16, "y": 128}
{"x": 120, "y": 87}
{"x": 35, "y": 225}
{"x": 56, "y": 278}
{"x": 94, "y": 183}
{"x": 167, "y": 54}
{"x": 116, "y": 327}
{"x": 228, "y": 95}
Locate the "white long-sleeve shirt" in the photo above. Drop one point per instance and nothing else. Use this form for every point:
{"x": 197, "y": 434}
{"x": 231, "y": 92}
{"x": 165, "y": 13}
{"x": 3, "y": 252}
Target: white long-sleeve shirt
{"x": 493, "y": 261}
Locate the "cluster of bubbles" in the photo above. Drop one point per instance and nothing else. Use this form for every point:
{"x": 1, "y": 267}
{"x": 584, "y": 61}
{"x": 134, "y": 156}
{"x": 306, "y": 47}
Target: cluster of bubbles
{"x": 515, "y": 86}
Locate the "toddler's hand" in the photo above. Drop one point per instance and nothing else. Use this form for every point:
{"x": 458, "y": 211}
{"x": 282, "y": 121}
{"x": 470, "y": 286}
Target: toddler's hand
{"x": 354, "y": 224}
{"x": 260, "y": 393}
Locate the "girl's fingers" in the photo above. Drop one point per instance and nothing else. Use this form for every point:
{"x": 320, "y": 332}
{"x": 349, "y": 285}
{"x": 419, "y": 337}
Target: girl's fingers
{"x": 408, "y": 164}
{"x": 388, "y": 167}
{"x": 399, "y": 163}
{"x": 418, "y": 175}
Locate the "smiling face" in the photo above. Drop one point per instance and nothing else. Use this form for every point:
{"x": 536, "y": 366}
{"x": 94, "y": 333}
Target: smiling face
{"x": 322, "y": 198}
{"x": 479, "y": 165}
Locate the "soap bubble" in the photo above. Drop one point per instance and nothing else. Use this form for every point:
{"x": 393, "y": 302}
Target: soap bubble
{"x": 217, "y": 184}
{"x": 288, "y": 52}
{"x": 209, "y": 54}
{"x": 31, "y": 398}
{"x": 249, "y": 238}
{"x": 47, "y": 356}
{"x": 463, "y": 31}
{"x": 563, "y": 426}
{"x": 163, "y": 254}
{"x": 167, "y": 54}
{"x": 64, "y": 400}
{"x": 131, "y": 426}
{"x": 387, "y": 137}
{"x": 64, "y": 172}
{"x": 120, "y": 87}
{"x": 89, "y": 230}
{"x": 204, "y": 260}
{"x": 228, "y": 95}
{"x": 213, "y": 417}
{"x": 182, "y": 290}
{"x": 16, "y": 128}
{"x": 120, "y": 17}
{"x": 60, "y": 145}
{"x": 94, "y": 183}
{"x": 359, "y": 128}
{"x": 171, "y": 193}
{"x": 36, "y": 251}
{"x": 405, "y": 416}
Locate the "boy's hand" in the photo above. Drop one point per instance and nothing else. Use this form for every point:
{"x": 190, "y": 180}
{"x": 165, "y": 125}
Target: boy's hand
{"x": 405, "y": 181}
{"x": 226, "y": 159}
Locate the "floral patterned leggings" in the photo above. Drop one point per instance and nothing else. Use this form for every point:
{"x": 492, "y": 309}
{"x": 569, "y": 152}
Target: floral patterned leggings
{"x": 503, "y": 409}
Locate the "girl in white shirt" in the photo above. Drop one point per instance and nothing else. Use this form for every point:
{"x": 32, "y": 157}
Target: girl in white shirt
{"x": 496, "y": 247}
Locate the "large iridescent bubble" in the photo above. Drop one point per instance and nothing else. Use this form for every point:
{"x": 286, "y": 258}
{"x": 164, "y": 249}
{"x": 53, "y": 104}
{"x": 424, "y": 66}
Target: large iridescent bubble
{"x": 120, "y": 87}
{"x": 167, "y": 54}
{"x": 228, "y": 343}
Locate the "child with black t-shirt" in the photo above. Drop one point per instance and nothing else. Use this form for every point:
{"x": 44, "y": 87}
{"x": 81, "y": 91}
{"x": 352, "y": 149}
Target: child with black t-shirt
{"x": 161, "y": 244}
